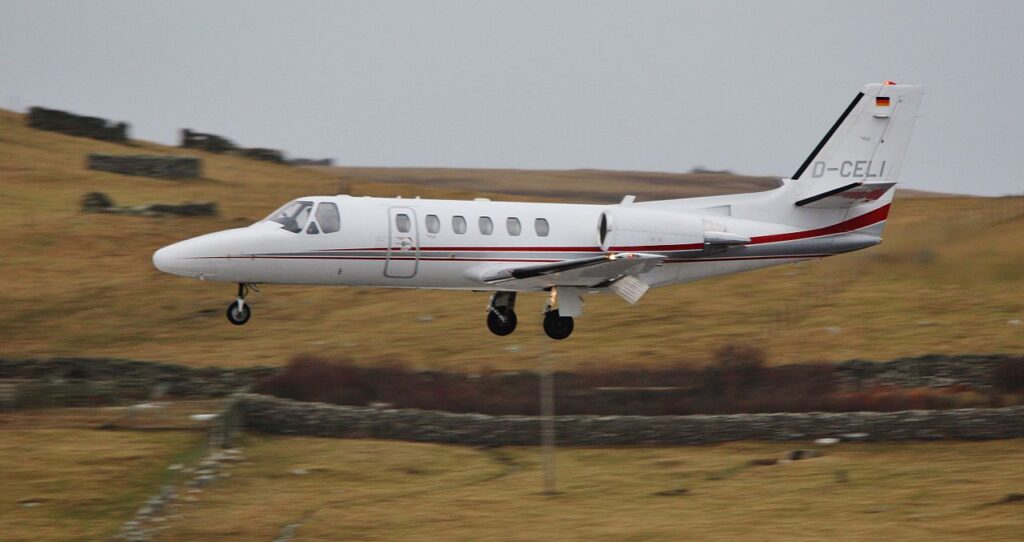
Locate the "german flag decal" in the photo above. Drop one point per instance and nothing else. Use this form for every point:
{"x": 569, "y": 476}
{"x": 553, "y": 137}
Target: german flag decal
{"x": 882, "y": 101}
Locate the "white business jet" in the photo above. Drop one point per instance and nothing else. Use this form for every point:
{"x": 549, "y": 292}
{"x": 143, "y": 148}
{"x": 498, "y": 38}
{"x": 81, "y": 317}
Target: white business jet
{"x": 836, "y": 202}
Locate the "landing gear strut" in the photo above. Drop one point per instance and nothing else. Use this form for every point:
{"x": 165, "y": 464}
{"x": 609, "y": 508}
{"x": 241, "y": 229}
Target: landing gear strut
{"x": 239, "y": 311}
{"x": 501, "y": 314}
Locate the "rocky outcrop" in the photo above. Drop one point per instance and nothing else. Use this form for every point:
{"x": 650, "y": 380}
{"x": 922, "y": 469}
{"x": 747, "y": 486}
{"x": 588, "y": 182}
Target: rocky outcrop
{"x": 283, "y": 416}
{"x": 146, "y": 165}
{"x": 54, "y": 120}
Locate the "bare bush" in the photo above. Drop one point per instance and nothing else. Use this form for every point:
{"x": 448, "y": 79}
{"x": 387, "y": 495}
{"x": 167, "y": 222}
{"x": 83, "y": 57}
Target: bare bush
{"x": 738, "y": 381}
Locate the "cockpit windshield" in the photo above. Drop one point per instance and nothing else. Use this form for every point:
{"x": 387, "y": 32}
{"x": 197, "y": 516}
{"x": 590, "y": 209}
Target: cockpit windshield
{"x": 292, "y": 216}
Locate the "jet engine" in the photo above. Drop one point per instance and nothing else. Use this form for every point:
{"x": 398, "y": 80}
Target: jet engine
{"x": 634, "y": 228}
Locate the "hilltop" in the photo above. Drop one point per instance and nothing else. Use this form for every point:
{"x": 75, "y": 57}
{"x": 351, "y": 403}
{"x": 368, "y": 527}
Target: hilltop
{"x": 947, "y": 279}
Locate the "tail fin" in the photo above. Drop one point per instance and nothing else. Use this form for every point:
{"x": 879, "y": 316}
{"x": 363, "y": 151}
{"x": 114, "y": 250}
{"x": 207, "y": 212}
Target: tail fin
{"x": 866, "y": 145}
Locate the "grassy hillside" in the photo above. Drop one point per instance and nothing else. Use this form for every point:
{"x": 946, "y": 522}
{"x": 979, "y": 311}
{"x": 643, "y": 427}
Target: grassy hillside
{"x": 947, "y": 279}
{"x": 373, "y": 490}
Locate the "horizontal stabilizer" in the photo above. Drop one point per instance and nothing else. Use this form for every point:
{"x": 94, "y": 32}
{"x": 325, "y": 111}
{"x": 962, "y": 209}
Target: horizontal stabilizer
{"x": 846, "y": 196}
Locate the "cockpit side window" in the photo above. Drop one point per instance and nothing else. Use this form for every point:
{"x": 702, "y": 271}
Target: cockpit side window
{"x": 328, "y": 217}
{"x": 292, "y": 216}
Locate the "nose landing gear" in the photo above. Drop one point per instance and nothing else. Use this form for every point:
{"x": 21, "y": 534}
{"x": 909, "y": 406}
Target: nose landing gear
{"x": 238, "y": 311}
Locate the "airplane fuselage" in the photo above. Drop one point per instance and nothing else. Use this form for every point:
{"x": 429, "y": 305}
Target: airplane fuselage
{"x": 837, "y": 201}
{"x": 370, "y": 247}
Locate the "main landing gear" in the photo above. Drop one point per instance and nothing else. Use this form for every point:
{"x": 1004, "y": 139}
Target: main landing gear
{"x": 239, "y": 311}
{"x": 558, "y": 327}
{"x": 501, "y": 314}
{"x": 558, "y": 323}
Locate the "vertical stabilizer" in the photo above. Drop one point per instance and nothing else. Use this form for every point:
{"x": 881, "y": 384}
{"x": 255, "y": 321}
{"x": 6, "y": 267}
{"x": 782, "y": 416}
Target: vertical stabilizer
{"x": 868, "y": 142}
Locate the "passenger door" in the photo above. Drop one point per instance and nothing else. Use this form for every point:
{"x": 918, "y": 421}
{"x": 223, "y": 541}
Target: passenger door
{"x": 403, "y": 255}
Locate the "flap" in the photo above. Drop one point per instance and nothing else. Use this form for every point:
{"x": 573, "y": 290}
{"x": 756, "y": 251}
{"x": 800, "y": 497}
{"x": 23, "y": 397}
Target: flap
{"x": 585, "y": 272}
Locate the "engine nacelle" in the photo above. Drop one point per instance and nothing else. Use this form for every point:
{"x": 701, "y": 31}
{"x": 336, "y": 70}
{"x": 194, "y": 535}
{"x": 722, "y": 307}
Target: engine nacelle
{"x": 634, "y": 228}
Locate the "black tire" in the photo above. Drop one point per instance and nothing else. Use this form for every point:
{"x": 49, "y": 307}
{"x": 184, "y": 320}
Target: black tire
{"x": 557, "y": 326}
{"x": 238, "y": 317}
{"x": 497, "y": 326}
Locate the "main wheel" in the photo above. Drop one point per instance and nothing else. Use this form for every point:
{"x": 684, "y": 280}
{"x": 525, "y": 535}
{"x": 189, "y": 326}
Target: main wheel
{"x": 499, "y": 327}
{"x": 557, "y": 326}
{"x": 236, "y": 316}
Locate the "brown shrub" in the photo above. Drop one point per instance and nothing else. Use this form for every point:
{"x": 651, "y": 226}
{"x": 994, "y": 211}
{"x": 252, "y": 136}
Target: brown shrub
{"x": 738, "y": 382}
{"x": 1008, "y": 375}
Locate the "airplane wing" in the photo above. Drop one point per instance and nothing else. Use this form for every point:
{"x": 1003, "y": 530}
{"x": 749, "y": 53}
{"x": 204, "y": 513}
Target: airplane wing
{"x": 583, "y": 272}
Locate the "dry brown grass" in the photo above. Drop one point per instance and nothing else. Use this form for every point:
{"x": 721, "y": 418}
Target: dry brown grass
{"x": 947, "y": 280}
{"x": 376, "y": 490}
{"x": 84, "y": 482}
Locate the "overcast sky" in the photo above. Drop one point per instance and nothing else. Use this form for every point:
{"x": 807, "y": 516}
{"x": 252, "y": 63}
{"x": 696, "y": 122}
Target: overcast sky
{"x": 661, "y": 86}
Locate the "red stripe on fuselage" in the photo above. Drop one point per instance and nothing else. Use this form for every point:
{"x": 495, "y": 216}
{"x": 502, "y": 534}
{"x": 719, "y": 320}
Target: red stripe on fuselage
{"x": 856, "y": 223}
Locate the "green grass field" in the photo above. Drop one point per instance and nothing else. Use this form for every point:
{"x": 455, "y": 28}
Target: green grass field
{"x": 377, "y": 490}
{"x": 947, "y": 280}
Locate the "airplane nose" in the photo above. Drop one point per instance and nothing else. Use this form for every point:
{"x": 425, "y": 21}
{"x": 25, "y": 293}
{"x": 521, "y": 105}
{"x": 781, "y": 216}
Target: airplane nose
{"x": 180, "y": 259}
{"x": 200, "y": 257}
{"x": 168, "y": 259}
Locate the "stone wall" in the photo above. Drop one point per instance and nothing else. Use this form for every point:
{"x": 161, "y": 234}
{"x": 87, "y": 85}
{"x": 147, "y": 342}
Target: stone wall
{"x": 218, "y": 144}
{"x": 930, "y": 371}
{"x": 145, "y": 165}
{"x": 190, "y": 139}
{"x": 77, "y": 379}
{"x": 311, "y": 162}
{"x": 98, "y": 202}
{"x": 283, "y": 416}
{"x": 54, "y": 120}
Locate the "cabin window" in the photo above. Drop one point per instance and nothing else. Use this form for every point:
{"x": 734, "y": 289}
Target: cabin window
{"x": 328, "y": 217}
{"x": 486, "y": 225}
{"x": 311, "y": 229}
{"x": 403, "y": 223}
{"x": 541, "y": 226}
{"x": 292, "y": 216}
{"x": 513, "y": 226}
{"x": 459, "y": 224}
{"x": 433, "y": 224}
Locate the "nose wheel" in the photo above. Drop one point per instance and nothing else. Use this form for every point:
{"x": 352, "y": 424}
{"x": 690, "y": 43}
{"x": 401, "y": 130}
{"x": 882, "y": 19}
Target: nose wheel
{"x": 238, "y": 311}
